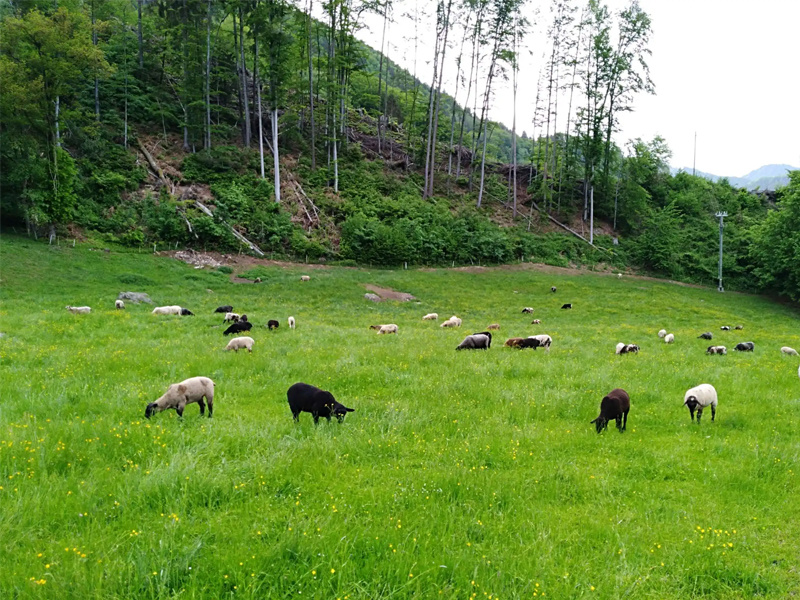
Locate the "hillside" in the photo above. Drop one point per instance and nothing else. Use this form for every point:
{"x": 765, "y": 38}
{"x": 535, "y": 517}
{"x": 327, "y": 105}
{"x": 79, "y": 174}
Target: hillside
{"x": 768, "y": 177}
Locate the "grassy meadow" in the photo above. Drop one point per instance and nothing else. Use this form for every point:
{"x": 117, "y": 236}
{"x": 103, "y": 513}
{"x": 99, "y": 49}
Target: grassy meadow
{"x": 460, "y": 475}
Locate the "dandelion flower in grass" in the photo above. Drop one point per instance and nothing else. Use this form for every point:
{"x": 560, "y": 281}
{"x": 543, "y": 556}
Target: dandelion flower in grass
{"x": 333, "y": 571}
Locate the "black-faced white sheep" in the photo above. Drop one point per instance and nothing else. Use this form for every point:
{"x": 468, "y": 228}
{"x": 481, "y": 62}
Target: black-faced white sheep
{"x": 241, "y": 343}
{"x": 528, "y": 343}
{"x": 224, "y": 309}
{"x": 662, "y": 333}
{"x": 739, "y": 327}
{"x": 705, "y": 336}
{"x": 172, "y": 310}
{"x": 789, "y": 351}
{"x": 745, "y": 347}
{"x": 303, "y": 397}
{"x": 272, "y": 324}
{"x": 476, "y": 341}
{"x": 614, "y": 406}
{"x": 553, "y": 289}
{"x": 536, "y": 322}
{"x": 527, "y": 310}
{"x": 178, "y": 395}
{"x": 717, "y": 350}
{"x": 231, "y": 316}
{"x": 431, "y": 317}
{"x": 238, "y": 328}
{"x": 493, "y": 327}
{"x": 700, "y": 397}
{"x": 79, "y": 310}
{"x": 119, "y": 305}
{"x": 305, "y": 278}
{"x": 186, "y": 312}
{"x": 566, "y": 306}
{"x": 291, "y": 322}
{"x": 669, "y": 338}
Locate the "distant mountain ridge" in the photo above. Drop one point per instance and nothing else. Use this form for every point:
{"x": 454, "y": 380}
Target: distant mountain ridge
{"x": 767, "y": 177}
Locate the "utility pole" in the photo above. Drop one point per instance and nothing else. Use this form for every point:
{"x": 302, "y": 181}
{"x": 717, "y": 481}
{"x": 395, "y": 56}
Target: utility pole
{"x": 591, "y": 216}
{"x": 694, "y": 159}
{"x": 721, "y": 216}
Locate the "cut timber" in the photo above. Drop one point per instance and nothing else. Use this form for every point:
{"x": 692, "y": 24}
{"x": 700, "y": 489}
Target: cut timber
{"x": 153, "y": 163}
{"x": 572, "y": 231}
{"x": 235, "y": 233}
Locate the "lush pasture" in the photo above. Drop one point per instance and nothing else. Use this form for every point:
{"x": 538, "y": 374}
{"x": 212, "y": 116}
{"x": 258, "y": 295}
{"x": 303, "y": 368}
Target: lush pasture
{"x": 460, "y": 475}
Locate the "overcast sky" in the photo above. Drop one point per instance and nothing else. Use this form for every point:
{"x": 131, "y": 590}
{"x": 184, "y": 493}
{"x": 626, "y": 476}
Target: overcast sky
{"x": 726, "y": 69}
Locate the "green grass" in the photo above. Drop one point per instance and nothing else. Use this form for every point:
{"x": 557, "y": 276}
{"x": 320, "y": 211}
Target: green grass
{"x": 459, "y": 475}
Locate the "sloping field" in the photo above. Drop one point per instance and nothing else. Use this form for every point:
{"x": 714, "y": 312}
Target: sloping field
{"x": 460, "y": 474}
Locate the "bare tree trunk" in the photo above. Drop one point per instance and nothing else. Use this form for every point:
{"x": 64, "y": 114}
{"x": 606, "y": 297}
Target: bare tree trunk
{"x": 257, "y": 84}
{"x": 380, "y": 69}
{"x": 439, "y": 96}
{"x": 239, "y": 93}
{"x": 455, "y": 96}
{"x": 311, "y": 89}
{"x": 247, "y": 130}
{"x": 208, "y": 78}
{"x": 515, "y": 69}
{"x": 58, "y": 130}
{"x": 96, "y": 81}
{"x": 472, "y": 64}
{"x": 139, "y": 34}
{"x": 276, "y": 166}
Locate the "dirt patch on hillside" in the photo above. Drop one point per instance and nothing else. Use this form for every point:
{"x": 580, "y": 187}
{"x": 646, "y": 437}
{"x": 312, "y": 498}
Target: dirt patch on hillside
{"x": 238, "y": 262}
{"x": 389, "y": 294}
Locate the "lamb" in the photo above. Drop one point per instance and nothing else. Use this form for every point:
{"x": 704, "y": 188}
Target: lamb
{"x": 493, "y": 327}
{"x": 390, "y": 328}
{"x": 615, "y": 405}
{"x": 536, "y": 322}
{"x": 178, "y": 395}
{"x": 452, "y": 322}
{"x": 79, "y": 310}
{"x": 476, "y": 341}
{"x": 527, "y": 310}
{"x": 705, "y": 336}
{"x": 566, "y": 306}
{"x": 553, "y": 289}
{"x": 241, "y": 343}
{"x": 431, "y": 317}
{"x": 745, "y": 347}
{"x": 662, "y": 333}
{"x": 669, "y": 338}
{"x": 272, "y": 324}
{"x": 700, "y": 397}
{"x": 224, "y": 309}
{"x": 514, "y": 342}
{"x": 544, "y": 340}
{"x": 257, "y": 280}
{"x": 717, "y": 350}
{"x": 305, "y": 278}
{"x": 291, "y": 322}
{"x": 789, "y": 351}
{"x": 725, "y": 328}
{"x": 231, "y": 316}
{"x": 627, "y": 348}
{"x": 303, "y": 397}
{"x": 238, "y": 327}
{"x": 167, "y": 310}
{"x": 119, "y": 304}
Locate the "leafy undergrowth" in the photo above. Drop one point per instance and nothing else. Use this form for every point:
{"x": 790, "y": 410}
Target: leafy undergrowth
{"x": 459, "y": 475}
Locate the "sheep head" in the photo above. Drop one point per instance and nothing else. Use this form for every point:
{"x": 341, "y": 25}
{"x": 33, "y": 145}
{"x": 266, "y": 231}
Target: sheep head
{"x": 340, "y": 411}
{"x": 600, "y": 423}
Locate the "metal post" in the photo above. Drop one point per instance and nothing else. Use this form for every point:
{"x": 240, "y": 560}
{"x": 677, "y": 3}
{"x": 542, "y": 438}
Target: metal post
{"x": 591, "y": 216}
{"x": 721, "y": 216}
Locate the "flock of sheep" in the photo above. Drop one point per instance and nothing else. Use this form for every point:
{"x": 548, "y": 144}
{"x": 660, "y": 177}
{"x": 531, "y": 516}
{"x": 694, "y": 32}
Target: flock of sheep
{"x": 303, "y": 397}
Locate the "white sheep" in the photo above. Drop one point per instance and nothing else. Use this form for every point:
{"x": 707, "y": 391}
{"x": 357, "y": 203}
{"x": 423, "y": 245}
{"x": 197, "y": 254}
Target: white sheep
{"x": 119, "y": 304}
{"x": 717, "y": 350}
{"x": 669, "y": 338}
{"x": 305, "y": 278}
{"x": 700, "y": 397}
{"x": 178, "y": 395}
{"x": 431, "y": 317}
{"x": 544, "y": 340}
{"x": 167, "y": 310}
{"x": 240, "y": 343}
{"x": 449, "y": 323}
{"x": 79, "y": 310}
{"x": 390, "y": 328}
{"x": 232, "y": 316}
{"x": 291, "y": 322}
{"x": 662, "y": 333}
{"x": 789, "y": 351}
{"x": 620, "y": 346}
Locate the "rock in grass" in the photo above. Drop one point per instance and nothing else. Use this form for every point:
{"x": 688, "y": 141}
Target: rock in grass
{"x": 135, "y": 297}
{"x": 372, "y": 297}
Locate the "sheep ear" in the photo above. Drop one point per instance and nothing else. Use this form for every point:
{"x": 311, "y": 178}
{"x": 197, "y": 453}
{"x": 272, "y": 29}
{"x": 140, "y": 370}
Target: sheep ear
{"x": 181, "y": 388}
{"x": 595, "y": 421}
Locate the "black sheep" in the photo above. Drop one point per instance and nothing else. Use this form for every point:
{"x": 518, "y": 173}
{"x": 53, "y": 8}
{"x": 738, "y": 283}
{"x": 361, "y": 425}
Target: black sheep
{"x": 629, "y": 349}
{"x": 705, "y": 336}
{"x": 272, "y": 324}
{"x": 745, "y": 347}
{"x": 224, "y": 309}
{"x": 238, "y": 327}
{"x": 186, "y": 312}
{"x": 614, "y": 406}
{"x": 528, "y": 343}
{"x": 303, "y": 397}
{"x": 567, "y": 305}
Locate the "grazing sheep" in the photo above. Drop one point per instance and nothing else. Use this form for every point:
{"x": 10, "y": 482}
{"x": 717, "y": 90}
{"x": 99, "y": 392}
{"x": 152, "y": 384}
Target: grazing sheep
{"x": 566, "y": 306}
{"x": 536, "y": 322}
{"x": 272, "y": 324}
{"x": 476, "y": 341}
{"x": 627, "y": 348}
{"x": 79, "y": 310}
{"x": 514, "y": 342}
{"x": 257, "y": 280}
{"x": 119, "y": 305}
{"x": 615, "y": 405}
{"x": 725, "y": 328}
{"x": 745, "y": 347}
{"x": 669, "y": 338}
{"x": 238, "y": 327}
{"x": 431, "y": 317}
{"x": 700, "y": 397}
{"x": 390, "y": 328}
{"x": 662, "y": 333}
{"x": 493, "y": 327}
{"x": 738, "y": 327}
{"x": 452, "y": 322}
{"x": 620, "y": 346}
{"x": 544, "y": 340}
{"x": 291, "y": 322}
{"x": 303, "y": 397}
{"x": 789, "y": 351}
{"x": 529, "y": 343}
{"x": 619, "y": 275}
{"x": 186, "y": 312}
{"x": 553, "y": 289}
{"x": 231, "y": 316}
{"x": 717, "y": 350}
{"x": 527, "y": 310}
{"x": 167, "y": 310}
{"x": 224, "y": 309}
{"x": 178, "y": 395}
{"x": 305, "y": 278}
{"x": 243, "y": 318}
{"x": 705, "y": 336}
{"x": 241, "y": 343}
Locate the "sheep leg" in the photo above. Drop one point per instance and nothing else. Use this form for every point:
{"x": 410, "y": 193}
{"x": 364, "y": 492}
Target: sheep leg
{"x": 619, "y": 423}
{"x": 691, "y": 412}
{"x": 180, "y": 407}
{"x": 202, "y": 407}
{"x": 315, "y": 414}
{"x": 624, "y": 421}
{"x": 713, "y": 412}
{"x": 699, "y": 414}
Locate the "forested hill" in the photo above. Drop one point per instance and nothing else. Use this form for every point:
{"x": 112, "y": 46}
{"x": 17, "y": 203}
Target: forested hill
{"x": 250, "y": 125}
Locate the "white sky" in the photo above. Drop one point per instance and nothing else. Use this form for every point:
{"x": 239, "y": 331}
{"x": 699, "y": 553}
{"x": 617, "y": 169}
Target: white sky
{"x": 727, "y": 69}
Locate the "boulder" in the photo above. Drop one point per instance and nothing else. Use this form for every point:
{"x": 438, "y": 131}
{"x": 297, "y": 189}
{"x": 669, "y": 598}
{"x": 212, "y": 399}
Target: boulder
{"x": 135, "y": 297}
